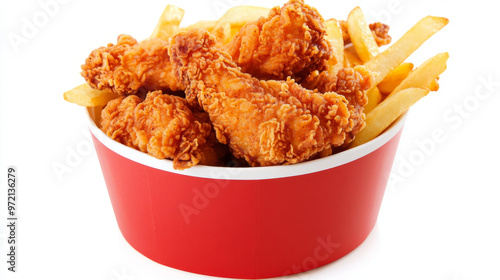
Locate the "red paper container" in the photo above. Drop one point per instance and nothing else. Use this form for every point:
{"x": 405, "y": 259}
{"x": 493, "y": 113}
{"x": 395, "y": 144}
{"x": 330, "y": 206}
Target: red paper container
{"x": 255, "y": 222}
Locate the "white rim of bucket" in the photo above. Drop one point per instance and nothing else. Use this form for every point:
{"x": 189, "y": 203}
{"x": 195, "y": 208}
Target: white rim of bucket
{"x": 249, "y": 173}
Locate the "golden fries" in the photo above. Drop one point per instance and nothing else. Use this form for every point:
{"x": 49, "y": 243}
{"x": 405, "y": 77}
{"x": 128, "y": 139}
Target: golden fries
{"x": 415, "y": 86}
{"x": 361, "y": 35}
{"x": 387, "y": 112}
{"x": 84, "y": 95}
{"x": 334, "y": 35}
{"x": 434, "y": 86}
{"x": 231, "y": 22}
{"x": 168, "y": 24}
{"x": 374, "y": 98}
{"x": 388, "y": 60}
{"x": 208, "y": 25}
{"x": 241, "y": 15}
{"x": 366, "y": 48}
{"x": 235, "y": 18}
{"x": 395, "y": 77}
{"x": 351, "y": 57}
{"x": 426, "y": 74}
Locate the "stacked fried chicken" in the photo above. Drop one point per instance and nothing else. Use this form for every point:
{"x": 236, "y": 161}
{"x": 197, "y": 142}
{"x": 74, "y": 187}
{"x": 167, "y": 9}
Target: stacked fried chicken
{"x": 254, "y": 95}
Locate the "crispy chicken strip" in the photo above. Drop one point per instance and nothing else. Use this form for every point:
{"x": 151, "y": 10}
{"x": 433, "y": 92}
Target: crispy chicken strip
{"x": 130, "y": 67}
{"x": 349, "y": 82}
{"x": 264, "y": 122}
{"x": 161, "y": 125}
{"x": 289, "y": 42}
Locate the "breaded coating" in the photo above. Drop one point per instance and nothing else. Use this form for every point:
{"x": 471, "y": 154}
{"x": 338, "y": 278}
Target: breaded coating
{"x": 130, "y": 67}
{"x": 264, "y": 122}
{"x": 162, "y": 126}
{"x": 380, "y": 32}
{"x": 290, "y": 41}
{"x": 352, "y": 83}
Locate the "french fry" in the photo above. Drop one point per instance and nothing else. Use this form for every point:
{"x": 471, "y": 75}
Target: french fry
{"x": 361, "y": 35}
{"x": 241, "y": 15}
{"x": 434, "y": 86}
{"x": 374, "y": 98}
{"x": 235, "y": 18}
{"x": 386, "y": 61}
{"x": 366, "y": 48}
{"x": 334, "y": 35}
{"x": 95, "y": 114}
{"x": 168, "y": 24}
{"x": 208, "y": 25}
{"x": 395, "y": 77}
{"x": 351, "y": 57}
{"x": 387, "y": 112}
{"x": 426, "y": 74}
{"x": 84, "y": 95}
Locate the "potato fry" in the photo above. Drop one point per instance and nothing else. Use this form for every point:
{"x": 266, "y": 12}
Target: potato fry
{"x": 374, "y": 98}
{"x": 426, "y": 74}
{"x": 334, "y": 35}
{"x": 387, "y": 112}
{"x": 366, "y": 48}
{"x": 434, "y": 86}
{"x": 351, "y": 57}
{"x": 361, "y": 35}
{"x": 388, "y": 60}
{"x": 395, "y": 77}
{"x": 241, "y": 15}
{"x": 84, "y": 95}
{"x": 168, "y": 24}
{"x": 208, "y": 25}
{"x": 95, "y": 114}
{"x": 235, "y": 18}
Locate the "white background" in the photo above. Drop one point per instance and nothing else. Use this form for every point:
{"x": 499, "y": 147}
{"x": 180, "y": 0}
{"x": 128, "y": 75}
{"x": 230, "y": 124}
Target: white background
{"x": 439, "y": 220}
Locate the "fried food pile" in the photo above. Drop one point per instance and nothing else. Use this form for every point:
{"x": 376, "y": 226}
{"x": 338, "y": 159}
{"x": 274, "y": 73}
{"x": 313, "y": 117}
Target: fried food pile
{"x": 272, "y": 91}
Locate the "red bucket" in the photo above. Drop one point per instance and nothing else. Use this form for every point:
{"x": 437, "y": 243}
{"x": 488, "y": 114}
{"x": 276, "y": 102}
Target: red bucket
{"x": 249, "y": 223}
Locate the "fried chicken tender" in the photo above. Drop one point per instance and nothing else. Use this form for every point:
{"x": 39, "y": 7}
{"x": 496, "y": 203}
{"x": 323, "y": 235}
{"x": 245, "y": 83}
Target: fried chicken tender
{"x": 289, "y": 42}
{"x": 161, "y": 125}
{"x": 264, "y": 122}
{"x": 213, "y": 153}
{"x": 130, "y": 67}
{"x": 380, "y": 32}
{"x": 352, "y": 83}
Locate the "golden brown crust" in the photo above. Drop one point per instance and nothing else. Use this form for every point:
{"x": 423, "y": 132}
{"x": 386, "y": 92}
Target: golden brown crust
{"x": 264, "y": 122}
{"x": 352, "y": 83}
{"x": 290, "y": 41}
{"x": 380, "y": 32}
{"x": 130, "y": 67}
{"x": 162, "y": 126}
